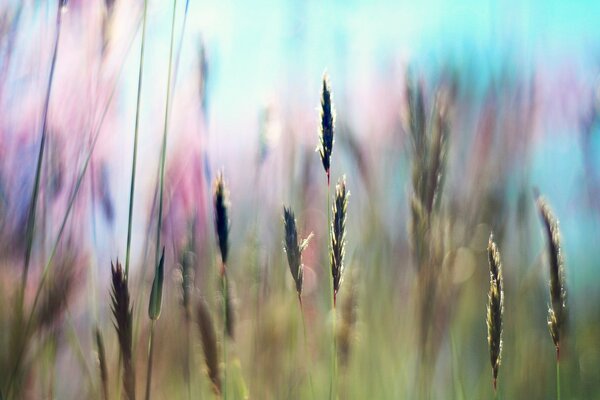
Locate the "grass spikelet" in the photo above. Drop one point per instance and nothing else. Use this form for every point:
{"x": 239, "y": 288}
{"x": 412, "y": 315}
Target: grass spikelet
{"x": 294, "y": 249}
{"x": 221, "y": 209}
{"x": 209, "y": 345}
{"x": 122, "y": 313}
{"x": 155, "y": 304}
{"x": 338, "y": 235}
{"x": 102, "y": 363}
{"x": 557, "y": 310}
{"x": 495, "y": 308}
{"x": 326, "y": 130}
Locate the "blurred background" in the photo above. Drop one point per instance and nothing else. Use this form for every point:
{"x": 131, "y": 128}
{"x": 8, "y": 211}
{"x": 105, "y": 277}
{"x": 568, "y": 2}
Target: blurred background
{"x": 522, "y": 81}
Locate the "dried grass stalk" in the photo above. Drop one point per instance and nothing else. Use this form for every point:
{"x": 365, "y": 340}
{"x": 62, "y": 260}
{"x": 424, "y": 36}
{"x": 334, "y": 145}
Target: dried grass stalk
{"x": 495, "y": 308}
{"x": 338, "y": 235}
{"x": 209, "y": 345}
{"x": 122, "y": 313}
{"x": 557, "y": 312}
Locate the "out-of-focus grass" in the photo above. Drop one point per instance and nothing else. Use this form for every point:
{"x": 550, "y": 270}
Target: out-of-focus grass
{"x": 496, "y": 139}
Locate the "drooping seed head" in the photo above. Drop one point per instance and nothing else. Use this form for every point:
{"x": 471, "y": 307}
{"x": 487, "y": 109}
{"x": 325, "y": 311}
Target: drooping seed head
{"x": 495, "y": 308}
{"x": 221, "y": 210}
{"x": 155, "y": 304}
{"x": 557, "y": 312}
{"x": 326, "y": 130}
{"x": 293, "y": 248}
{"x": 338, "y": 234}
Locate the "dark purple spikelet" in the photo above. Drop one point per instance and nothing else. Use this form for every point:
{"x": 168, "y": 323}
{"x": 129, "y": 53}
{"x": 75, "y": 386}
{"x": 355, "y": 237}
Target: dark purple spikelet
{"x": 122, "y": 314}
{"x": 221, "y": 208}
{"x": 326, "y": 130}
{"x": 293, "y": 248}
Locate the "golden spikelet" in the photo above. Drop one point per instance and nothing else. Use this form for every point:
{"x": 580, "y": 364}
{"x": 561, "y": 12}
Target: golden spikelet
{"x": 338, "y": 235}
{"x": 495, "y": 308}
{"x": 557, "y": 311}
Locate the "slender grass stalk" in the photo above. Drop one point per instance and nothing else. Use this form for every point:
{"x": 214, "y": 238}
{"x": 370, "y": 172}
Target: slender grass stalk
{"x": 154, "y": 308}
{"x": 163, "y": 154}
{"x": 558, "y": 379}
{"x": 96, "y": 134}
{"x": 135, "y": 139}
{"x": 30, "y": 229}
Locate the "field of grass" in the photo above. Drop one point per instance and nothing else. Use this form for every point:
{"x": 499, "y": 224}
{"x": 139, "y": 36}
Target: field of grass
{"x": 442, "y": 242}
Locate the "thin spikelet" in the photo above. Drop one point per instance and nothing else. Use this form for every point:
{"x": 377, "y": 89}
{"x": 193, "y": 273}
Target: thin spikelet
{"x": 326, "y": 130}
{"x": 122, "y": 313}
{"x": 294, "y": 249}
{"x": 221, "y": 208}
{"x": 209, "y": 345}
{"x": 338, "y": 235}
{"x": 557, "y": 312}
{"x": 102, "y": 363}
{"x": 495, "y": 308}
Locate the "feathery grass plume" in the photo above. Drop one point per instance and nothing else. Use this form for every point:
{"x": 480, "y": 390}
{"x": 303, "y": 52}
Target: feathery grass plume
{"x": 326, "y": 130}
{"x": 495, "y": 307}
{"x": 209, "y": 344}
{"x": 221, "y": 208}
{"x": 102, "y": 362}
{"x": 338, "y": 235}
{"x": 155, "y": 303}
{"x": 294, "y": 249}
{"x": 122, "y": 313}
{"x": 557, "y": 312}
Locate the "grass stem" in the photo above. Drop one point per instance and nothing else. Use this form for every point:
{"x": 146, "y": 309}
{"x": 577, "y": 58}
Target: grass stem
{"x": 135, "y": 139}
{"x": 150, "y": 360}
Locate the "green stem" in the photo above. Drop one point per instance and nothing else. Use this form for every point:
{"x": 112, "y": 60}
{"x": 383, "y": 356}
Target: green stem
{"x": 150, "y": 359}
{"x": 224, "y": 290}
{"x": 38, "y": 172}
{"x": 306, "y": 353}
{"x": 557, "y": 379}
{"x": 163, "y": 155}
{"x": 135, "y": 139}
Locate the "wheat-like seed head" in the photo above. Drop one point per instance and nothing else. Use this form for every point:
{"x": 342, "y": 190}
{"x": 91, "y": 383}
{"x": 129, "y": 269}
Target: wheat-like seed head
{"x": 293, "y": 248}
{"x": 221, "y": 210}
{"x": 495, "y": 307}
{"x": 557, "y": 312}
{"x": 209, "y": 345}
{"x": 338, "y": 235}
{"x": 122, "y": 314}
{"x": 326, "y": 129}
